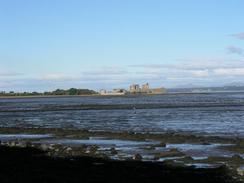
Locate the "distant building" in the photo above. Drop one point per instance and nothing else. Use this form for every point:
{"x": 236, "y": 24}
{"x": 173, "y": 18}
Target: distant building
{"x": 135, "y": 88}
{"x": 113, "y": 92}
{"x": 103, "y": 92}
{"x": 119, "y": 91}
{"x": 145, "y": 88}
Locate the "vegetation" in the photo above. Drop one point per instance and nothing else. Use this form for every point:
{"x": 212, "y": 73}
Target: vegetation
{"x": 71, "y": 91}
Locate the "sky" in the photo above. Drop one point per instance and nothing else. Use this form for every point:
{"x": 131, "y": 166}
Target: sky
{"x": 97, "y": 44}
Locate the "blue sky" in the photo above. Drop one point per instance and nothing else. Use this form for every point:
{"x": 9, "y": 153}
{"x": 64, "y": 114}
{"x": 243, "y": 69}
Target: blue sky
{"x": 98, "y": 44}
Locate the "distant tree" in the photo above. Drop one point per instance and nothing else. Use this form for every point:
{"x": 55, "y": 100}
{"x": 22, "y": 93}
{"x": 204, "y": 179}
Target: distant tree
{"x": 47, "y": 93}
{"x": 35, "y": 93}
{"x": 73, "y": 91}
{"x": 59, "y": 92}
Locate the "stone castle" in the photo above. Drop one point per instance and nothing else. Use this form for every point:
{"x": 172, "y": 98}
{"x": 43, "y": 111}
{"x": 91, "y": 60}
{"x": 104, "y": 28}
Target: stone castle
{"x": 135, "y": 89}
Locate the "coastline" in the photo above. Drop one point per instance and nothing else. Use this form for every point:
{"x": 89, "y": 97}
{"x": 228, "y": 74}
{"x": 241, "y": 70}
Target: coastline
{"x": 46, "y": 96}
{"x": 126, "y": 95}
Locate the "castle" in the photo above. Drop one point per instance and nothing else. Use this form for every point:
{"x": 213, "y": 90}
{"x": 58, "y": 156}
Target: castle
{"x": 135, "y": 89}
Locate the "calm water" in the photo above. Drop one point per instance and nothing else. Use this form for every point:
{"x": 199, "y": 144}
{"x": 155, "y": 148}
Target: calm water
{"x": 214, "y": 114}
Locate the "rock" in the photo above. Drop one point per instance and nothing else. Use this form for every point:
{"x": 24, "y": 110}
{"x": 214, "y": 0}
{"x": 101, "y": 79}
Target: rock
{"x": 68, "y": 149}
{"x": 236, "y": 157}
{"x": 149, "y": 148}
{"x": 170, "y": 153}
{"x": 174, "y": 163}
{"x": 113, "y": 151}
{"x": 4, "y": 143}
{"x": 240, "y": 170}
{"x": 22, "y": 144}
{"x": 162, "y": 144}
{"x": 27, "y": 144}
{"x": 206, "y": 143}
{"x": 174, "y": 150}
{"x": 51, "y": 146}
{"x": 57, "y": 146}
{"x": 91, "y": 149}
{"x": 44, "y": 147}
{"x": 187, "y": 159}
{"x": 13, "y": 143}
{"x": 104, "y": 156}
{"x": 137, "y": 157}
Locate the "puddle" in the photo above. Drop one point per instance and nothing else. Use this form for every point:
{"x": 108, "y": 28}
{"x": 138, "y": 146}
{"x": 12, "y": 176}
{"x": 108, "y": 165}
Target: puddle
{"x": 186, "y": 147}
{"x": 7, "y": 137}
{"x": 204, "y": 165}
{"x": 125, "y": 148}
{"x": 200, "y": 151}
{"x": 101, "y": 142}
{"x": 128, "y": 148}
{"x": 199, "y": 157}
{"x": 169, "y": 158}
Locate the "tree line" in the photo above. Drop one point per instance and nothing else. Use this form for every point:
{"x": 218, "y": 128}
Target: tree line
{"x": 71, "y": 91}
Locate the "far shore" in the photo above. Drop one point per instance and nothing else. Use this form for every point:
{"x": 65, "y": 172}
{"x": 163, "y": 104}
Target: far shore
{"x": 127, "y": 95}
{"x": 46, "y": 96}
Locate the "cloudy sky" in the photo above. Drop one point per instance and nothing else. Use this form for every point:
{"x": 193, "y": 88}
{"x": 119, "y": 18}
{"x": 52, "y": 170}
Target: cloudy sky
{"x": 96, "y": 44}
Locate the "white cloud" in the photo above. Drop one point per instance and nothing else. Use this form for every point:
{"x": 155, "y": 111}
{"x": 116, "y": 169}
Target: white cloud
{"x": 239, "y": 35}
{"x": 191, "y": 71}
{"x": 193, "y": 64}
{"x": 235, "y": 50}
{"x": 200, "y": 73}
{"x": 106, "y": 71}
{"x": 9, "y": 74}
{"x": 57, "y": 77}
{"x": 229, "y": 72}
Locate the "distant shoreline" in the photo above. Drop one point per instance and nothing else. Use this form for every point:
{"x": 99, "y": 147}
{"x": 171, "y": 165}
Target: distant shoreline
{"x": 98, "y": 95}
{"x": 46, "y": 96}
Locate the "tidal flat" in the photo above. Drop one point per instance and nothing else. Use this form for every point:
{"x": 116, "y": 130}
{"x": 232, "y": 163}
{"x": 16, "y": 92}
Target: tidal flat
{"x": 195, "y": 132}
{"x": 181, "y": 150}
{"x": 30, "y": 164}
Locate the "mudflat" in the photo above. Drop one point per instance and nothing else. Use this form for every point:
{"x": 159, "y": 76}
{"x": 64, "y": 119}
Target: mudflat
{"x": 32, "y": 165}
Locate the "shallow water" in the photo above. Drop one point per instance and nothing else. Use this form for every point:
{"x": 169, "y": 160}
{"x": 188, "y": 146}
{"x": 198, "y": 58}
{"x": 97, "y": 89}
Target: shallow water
{"x": 199, "y": 151}
{"x": 128, "y": 148}
{"x": 8, "y": 137}
{"x": 100, "y": 141}
{"x": 204, "y": 165}
{"x": 211, "y": 114}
